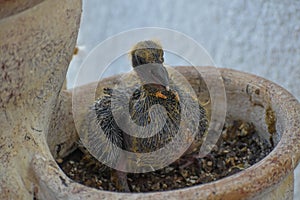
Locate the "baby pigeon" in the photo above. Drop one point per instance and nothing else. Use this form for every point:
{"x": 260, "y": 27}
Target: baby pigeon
{"x": 147, "y": 61}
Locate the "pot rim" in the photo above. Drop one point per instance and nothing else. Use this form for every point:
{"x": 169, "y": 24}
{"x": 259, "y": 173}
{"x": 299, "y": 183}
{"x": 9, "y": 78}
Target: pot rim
{"x": 272, "y": 169}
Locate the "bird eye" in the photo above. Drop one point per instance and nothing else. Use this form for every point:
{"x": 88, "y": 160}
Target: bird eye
{"x": 161, "y": 58}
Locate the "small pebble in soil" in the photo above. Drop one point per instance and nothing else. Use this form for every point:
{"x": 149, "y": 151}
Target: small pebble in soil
{"x": 238, "y": 148}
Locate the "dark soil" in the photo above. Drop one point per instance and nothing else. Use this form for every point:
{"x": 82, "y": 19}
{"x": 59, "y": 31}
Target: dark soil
{"x": 237, "y": 149}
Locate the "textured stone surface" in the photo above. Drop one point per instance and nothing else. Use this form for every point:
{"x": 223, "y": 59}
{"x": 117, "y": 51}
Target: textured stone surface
{"x": 261, "y": 37}
{"x": 37, "y": 39}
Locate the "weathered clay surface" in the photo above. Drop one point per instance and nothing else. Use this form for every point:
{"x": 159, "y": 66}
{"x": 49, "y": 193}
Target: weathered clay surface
{"x": 37, "y": 39}
{"x": 250, "y": 98}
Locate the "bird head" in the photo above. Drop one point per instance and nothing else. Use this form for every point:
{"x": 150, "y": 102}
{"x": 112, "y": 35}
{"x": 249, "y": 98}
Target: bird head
{"x": 147, "y": 59}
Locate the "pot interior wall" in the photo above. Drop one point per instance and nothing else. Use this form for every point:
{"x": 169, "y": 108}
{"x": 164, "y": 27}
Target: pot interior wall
{"x": 251, "y": 102}
{"x": 247, "y": 99}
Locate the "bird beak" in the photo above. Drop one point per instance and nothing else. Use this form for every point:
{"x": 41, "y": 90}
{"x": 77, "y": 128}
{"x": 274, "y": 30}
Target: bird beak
{"x": 154, "y": 73}
{"x": 160, "y": 74}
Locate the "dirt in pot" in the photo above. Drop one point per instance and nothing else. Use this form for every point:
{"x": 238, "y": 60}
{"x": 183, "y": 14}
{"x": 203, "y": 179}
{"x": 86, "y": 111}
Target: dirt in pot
{"x": 238, "y": 148}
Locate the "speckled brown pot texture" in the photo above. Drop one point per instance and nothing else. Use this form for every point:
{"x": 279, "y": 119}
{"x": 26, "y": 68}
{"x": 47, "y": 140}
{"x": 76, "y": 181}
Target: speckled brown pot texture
{"x": 272, "y": 109}
{"x": 37, "y": 40}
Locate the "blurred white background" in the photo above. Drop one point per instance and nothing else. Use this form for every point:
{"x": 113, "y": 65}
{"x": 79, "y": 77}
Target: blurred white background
{"x": 261, "y": 36}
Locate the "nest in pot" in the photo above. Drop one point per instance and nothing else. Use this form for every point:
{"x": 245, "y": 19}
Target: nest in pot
{"x": 238, "y": 148}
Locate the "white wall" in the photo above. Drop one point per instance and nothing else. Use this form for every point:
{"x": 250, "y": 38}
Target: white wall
{"x": 260, "y": 37}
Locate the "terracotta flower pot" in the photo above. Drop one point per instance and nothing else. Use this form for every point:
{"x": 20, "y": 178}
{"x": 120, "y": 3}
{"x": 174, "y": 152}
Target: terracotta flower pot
{"x": 273, "y": 111}
{"x": 37, "y": 40}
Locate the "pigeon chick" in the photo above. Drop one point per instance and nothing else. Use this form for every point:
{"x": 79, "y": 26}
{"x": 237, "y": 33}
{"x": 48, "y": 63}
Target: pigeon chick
{"x": 147, "y": 61}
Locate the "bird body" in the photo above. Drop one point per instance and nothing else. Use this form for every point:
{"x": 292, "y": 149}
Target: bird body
{"x": 155, "y": 90}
